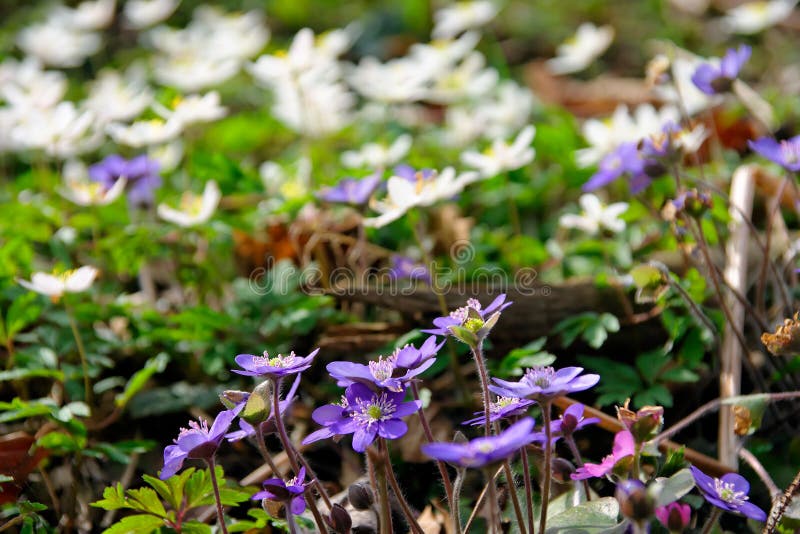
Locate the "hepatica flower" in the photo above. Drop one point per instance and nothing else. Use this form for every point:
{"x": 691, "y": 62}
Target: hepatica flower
{"x": 545, "y": 383}
{"x": 366, "y": 414}
{"x": 573, "y": 420}
{"x": 352, "y": 191}
{"x": 197, "y": 442}
{"x": 289, "y": 492}
{"x": 473, "y": 317}
{"x": 140, "y": 172}
{"x": 485, "y": 450}
{"x": 274, "y": 368}
{"x": 622, "y": 451}
{"x": 405, "y": 267}
{"x": 624, "y": 160}
{"x": 675, "y": 516}
{"x": 713, "y": 78}
{"x": 728, "y": 493}
{"x": 785, "y": 153}
{"x": 500, "y": 409}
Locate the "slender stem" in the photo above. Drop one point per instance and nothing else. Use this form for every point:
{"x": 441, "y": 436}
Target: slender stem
{"x": 512, "y": 488}
{"x": 383, "y": 494}
{"x": 576, "y": 454}
{"x": 262, "y": 448}
{"x": 477, "y": 352}
{"x": 455, "y": 511}
{"x": 87, "y": 385}
{"x": 404, "y": 506}
{"x": 637, "y": 458}
{"x": 494, "y": 508}
{"x": 426, "y": 429}
{"x": 213, "y": 474}
{"x": 755, "y": 465}
{"x": 290, "y": 451}
{"x": 526, "y": 477}
{"x": 320, "y": 488}
{"x": 546, "y": 404}
{"x": 780, "y": 507}
{"x": 480, "y": 500}
{"x": 290, "y": 523}
{"x": 711, "y": 520}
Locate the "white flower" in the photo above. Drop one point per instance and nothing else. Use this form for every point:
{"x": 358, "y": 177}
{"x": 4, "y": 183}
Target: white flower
{"x": 467, "y": 80}
{"x": 377, "y": 155}
{"x": 193, "y": 209}
{"x": 306, "y": 53}
{"x": 454, "y": 19}
{"x": 84, "y": 192}
{"x": 55, "y": 285}
{"x": 580, "y": 50}
{"x": 88, "y": 16}
{"x": 62, "y": 131}
{"x": 754, "y": 17}
{"x": 194, "y": 71}
{"x": 607, "y": 134}
{"x": 194, "y": 109}
{"x": 277, "y": 181}
{"x": 444, "y": 53}
{"x": 114, "y": 98}
{"x": 403, "y": 194}
{"x": 56, "y": 44}
{"x": 144, "y": 133}
{"x": 399, "y": 80}
{"x": 596, "y": 216}
{"x": 25, "y": 85}
{"x": 168, "y": 155}
{"x": 141, "y": 14}
{"x": 66, "y": 234}
{"x": 501, "y": 156}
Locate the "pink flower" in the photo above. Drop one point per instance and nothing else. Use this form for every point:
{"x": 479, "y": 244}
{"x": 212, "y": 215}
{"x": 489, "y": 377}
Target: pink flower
{"x": 675, "y": 516}
{"x": 624, "y": 447}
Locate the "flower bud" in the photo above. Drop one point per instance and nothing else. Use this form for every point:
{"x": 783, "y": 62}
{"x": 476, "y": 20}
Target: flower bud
{"x": 643, "y": 424}
{"x": 635, "y": 502}
{"x": 360, "y": 496}
{"x": 675, "y": 516}
{"x": 786, "y": 339}
{"x": 339, "y": 520}
{"x": 257, "y": 408}
{"x": 232, "y": 397}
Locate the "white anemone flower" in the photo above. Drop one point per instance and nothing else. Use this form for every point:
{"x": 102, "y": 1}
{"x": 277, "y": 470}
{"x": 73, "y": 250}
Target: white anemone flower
{"x": 144, "y": 133}
{"x": 88, "y": 16}
{"x": 377, "y": 155}
{"x": 502, "y": 156}
{"x": 467, "y": 80}
{"x": 84, "y": 192}
{"x": 55, "y": 285}
{"x": 754, "y": 17}
{"x": 62, "y": 131}
{"x": 113, "y": 97}
{"x": 194, "y": 109}
{"x": 194, "y": 209}
{"x": 596, "y": 216}
{"x": 140, "y": 14}
{"x": 194, "y": 71}
{"x": 56, "y": 44}
{"x": 403, "y": 194}
{"x": 25, "y": 85}
{"x": 580, "y": 50}
{"x": 399, "y": 80}
{"x": 462, "y": 16}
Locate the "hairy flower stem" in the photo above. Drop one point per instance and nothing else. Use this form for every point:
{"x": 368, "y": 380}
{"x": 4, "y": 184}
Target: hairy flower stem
{"x": 548, "y": 463}
{"x": 87, "y": 385}
{"x": 637, "y": 460}
{"x": 479, "y": 501}
{"x": 526, "y": 477}
{"x": 512, "y": 489}
{"x": 262, "y": 448}
{"x": 375, "y": 457}
{"x": 455, "y": 511}
{"x": 290, "y": 453}
{"x": 711, "y": 520}
{"x": 494, "y": 506}
{"x": 404, "y": 506}
{"x": 426, "y": 429}
{"x": 477, "y": 352}
{"x": 213, "y": 474}
{"x": 576, "y": 454}
{"x": 290, "y": 523}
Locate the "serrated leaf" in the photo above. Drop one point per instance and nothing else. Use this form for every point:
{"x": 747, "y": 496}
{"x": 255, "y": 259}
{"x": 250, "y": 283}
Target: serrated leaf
{"x": 198, "y": 487}
{"x": 135, "y": 524}
{"x": 177, "y": 483}
{"x": 146, "y": 500}
{"x": 163, "y": 489}
{"x": 113, "y": 498}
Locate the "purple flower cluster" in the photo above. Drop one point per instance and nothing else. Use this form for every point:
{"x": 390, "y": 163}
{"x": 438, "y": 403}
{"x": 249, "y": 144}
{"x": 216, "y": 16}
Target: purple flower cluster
{"x": 352, "y": 191}
{"x": 140, "y": 172}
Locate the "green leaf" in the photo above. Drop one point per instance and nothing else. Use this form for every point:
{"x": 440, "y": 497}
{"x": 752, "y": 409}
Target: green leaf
{"x": 140, "y": 378}
{"x": 595, "y": 335}
{"x": 135, "y": 524}
{"x": 163, "y": 490}
{"x": 177, "y": 483}
{"x": 589, "y": 517}
{"x": 113, "y": 498}
{"x": 673, "y": 488}
{"x": 19, "y": 374}
{"x": 61, "y": 442}
{"x": 22, "y": 312}
{"x": 198, "y": 487}
{"x": 146, "y": 500}
{"x": 195, "y": 527}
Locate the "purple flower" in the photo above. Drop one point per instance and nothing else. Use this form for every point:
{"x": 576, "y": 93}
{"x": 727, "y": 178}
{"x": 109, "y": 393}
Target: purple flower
{"x": 728, "y": 493}
{"x": 485, "y": 450}
{"x": 572, "y": 420}
{"x": 411, "y": 174}
{"x": 197, "y": 442}
{"x": 391, "y": 372}
{"x": 274, "y": 368}
{"x": 352, "y": 190}
{"x": 471, "y": 316}
{"x": 544, "y": 383}
{"x": 714, "y": 79}
{"x": 364, "y": 413}
{"x": 625, "y": 159}
{"x": 268, "y": 426}
{"x": 404, "y": 267}
{"x": 675, "y": 516}
{"x": 624, "y": 448}
{"x": 141, "y": 173}
{"x": 785, "y": 153}
{"x": 500, "y": 409}
{"x": 289, "y": 492}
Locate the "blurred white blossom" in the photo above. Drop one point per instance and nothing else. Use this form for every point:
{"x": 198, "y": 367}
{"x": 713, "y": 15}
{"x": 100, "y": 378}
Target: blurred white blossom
{"x": 754, "y": 17}
{"x": 502, "y": 156}
{"x": 461, "y": 16}
{"x": 377, "y": 155}
{"x": 194, "y": 209}
{"x": 580, "y": 50}
{"x": 596, "y": 216}
{"x": 140, "y": 14}
{"x": 55, "y": 285}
